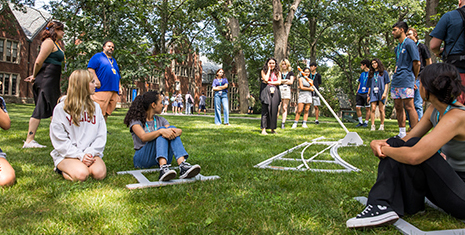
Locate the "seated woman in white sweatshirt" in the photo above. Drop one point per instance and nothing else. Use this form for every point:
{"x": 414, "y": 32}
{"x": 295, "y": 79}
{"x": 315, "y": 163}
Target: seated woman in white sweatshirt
{"x": 78, "y": 131}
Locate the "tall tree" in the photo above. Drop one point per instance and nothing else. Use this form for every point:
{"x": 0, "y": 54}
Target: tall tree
{"x": 281, "y": 27}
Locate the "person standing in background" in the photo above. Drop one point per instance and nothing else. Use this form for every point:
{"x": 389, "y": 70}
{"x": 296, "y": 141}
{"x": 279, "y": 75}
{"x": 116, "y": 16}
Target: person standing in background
{"x": 107, "y": 75}
{"x": 46, "y": 77}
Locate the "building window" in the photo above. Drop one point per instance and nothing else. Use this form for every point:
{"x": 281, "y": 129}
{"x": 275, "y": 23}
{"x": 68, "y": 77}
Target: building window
{"x": 9, "y": 50}
{"x": 9, "y": 84}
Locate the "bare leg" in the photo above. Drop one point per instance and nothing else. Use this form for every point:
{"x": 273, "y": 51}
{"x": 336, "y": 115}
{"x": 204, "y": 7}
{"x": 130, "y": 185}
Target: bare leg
{"x": 358, "y": 110}
{"x": 98, "y": 170}
{"x": 410, "y": 108}
{"x": 285, "y": 104}
{"x": 307, "y": 108}
{"x": 373, "y": 110}
{"x": 33, "y": 125}
{"x": 381, "y": 112}
{"x": 398, "y": 105}
{"x": 73, "y": 169}
{"x": 300, "y": 108}
{"x": 317, "y": 113}
{"x": 7, "y": 173}
{"x": 367, "y": 116}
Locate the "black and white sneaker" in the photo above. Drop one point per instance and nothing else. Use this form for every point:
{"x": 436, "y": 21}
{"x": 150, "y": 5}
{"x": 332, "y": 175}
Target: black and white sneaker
{"x": 373, "y": 216}
{"x": 188, "y": 171}
{"x": 166, "y": 174}
{"x": 317, "y": 122}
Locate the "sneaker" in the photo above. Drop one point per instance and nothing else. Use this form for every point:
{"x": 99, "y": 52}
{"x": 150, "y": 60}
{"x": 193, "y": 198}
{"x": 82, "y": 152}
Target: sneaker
{"x": 317, "y": 122}
{"x": 294, "y": 125}
{"x": 381, "y": 127}
{"x": 33, "y": 144}
{"x": 373, "y": 216}
{"x": 188, "y": 171}
{"x": 365, "y": 125}
{"x": 304, "y": 125}
{"x": 166, "y": 174}
{"x": 282, "y": 125}
{"x": 373, "y": 128}
{"x": 359, "y": 124}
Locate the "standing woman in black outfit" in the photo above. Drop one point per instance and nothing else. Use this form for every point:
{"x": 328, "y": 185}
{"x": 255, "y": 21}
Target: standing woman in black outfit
{"x": 46, "y": 78}
{"x": 270, "y": 95}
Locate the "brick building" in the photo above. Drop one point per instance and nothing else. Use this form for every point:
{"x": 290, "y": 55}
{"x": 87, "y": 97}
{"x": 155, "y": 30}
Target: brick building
{"x": 19, "y": 47}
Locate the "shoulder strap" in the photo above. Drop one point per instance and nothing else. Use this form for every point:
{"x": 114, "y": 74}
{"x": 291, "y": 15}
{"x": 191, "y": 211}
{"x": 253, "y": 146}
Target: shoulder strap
{"x": 462, "y": 14}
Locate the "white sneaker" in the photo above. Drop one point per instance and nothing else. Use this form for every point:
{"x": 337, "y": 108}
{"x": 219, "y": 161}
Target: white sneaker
{"x": 294, "y": 125}
{"x": 373, "y": 128}
{"x": 304, "y": 125}
{"x": 33, "y": 144}
{"x": 381, "y": 127}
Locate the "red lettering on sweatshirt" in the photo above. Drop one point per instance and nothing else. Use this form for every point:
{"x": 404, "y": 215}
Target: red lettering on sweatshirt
{"x": 84, "y": 118}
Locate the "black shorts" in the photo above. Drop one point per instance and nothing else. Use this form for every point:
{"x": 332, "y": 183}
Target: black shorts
{"x": 361, "y": 100}
{"x": 250, "y": 108}
{"x": 202, "y": 107}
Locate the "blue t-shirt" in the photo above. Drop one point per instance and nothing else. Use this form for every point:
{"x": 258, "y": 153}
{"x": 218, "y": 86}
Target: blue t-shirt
{"x": 363, "y": 83}
{"x": 220, "y": 82}
{"x": 447, "y": 30}
{"x": 103, "y": 68}
{"x": 380, "y": 82}
{"x": 406, "y": 53}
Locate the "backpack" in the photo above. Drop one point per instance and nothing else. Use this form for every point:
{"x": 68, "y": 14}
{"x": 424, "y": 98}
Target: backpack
{"x": 457, "y": 60}
{"x": 190, "y": 100}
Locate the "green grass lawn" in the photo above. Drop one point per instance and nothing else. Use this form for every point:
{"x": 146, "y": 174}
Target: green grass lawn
{"x": 246, "y": 200}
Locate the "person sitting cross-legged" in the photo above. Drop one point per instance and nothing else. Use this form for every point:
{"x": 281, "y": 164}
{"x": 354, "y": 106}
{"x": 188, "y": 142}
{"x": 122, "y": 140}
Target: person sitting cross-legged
{"x": 155, "y": 141}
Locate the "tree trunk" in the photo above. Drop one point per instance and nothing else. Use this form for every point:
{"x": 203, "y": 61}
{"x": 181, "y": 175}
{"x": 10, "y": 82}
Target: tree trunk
{"x": 431, "y": 6}
{"x": 281, "y": 28}
{"x": 239, "y": 61}
{"x": 313, "y": 39}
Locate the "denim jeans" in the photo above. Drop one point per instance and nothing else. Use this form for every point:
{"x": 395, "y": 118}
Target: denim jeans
{"x": 418, "y": 101}
{"x": 221, "y": 99}
{"x": 148, "y": 155}
{"x": 188, "y": 108}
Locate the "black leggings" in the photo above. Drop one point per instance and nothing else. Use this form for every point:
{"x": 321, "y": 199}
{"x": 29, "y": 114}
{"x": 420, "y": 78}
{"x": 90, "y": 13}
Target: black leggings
{"x": 404, "y": 187}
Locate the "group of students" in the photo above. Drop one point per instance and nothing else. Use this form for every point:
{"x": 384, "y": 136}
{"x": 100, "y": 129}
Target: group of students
{"x": 275, "y": 92}
{"x": 372, "y": 92}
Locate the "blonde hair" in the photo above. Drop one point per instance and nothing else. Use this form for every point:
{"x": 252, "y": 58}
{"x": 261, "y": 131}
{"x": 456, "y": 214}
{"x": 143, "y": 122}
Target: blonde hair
{"x": 289, "y": 68}
{"x": 78, "y": 99}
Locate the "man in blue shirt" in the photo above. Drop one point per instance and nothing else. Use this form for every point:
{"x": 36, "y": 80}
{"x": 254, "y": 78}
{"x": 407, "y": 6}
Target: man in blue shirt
{"x": 362, "y": 92}
{"x": 449, "y": 30}
{"x": 107, "y": 76}
{"x": 403, "y": 80}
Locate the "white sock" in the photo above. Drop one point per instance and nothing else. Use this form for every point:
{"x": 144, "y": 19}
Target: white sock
{"x": 360, "y": 120}
{"x": 366, "y": 121}
{"x": 402, "y": 132}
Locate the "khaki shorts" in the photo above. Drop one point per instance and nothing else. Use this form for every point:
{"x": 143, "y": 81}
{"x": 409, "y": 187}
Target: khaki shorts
{"x": 107, "y": 101}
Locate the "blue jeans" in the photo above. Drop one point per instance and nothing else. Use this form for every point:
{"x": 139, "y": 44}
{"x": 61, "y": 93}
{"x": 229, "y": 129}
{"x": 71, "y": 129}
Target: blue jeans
{"x": 188, "y": 108}
{"x": 418, "y": 101}
{"x": 221, "y": 99}
{"x": 148, "y": 155}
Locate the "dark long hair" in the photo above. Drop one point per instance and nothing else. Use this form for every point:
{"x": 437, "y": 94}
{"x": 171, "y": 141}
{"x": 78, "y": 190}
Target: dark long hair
{"x": 139, "y": 107}
{"x": 50, "y": 30}
{"x": 372, "y": 70}
{"x": 276, "y": 67}
{"x": 443, "y": 81}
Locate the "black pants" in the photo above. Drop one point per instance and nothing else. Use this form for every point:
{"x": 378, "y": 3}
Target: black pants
{"x": 404, "y": 187}
{"x": 270, "y": 111}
